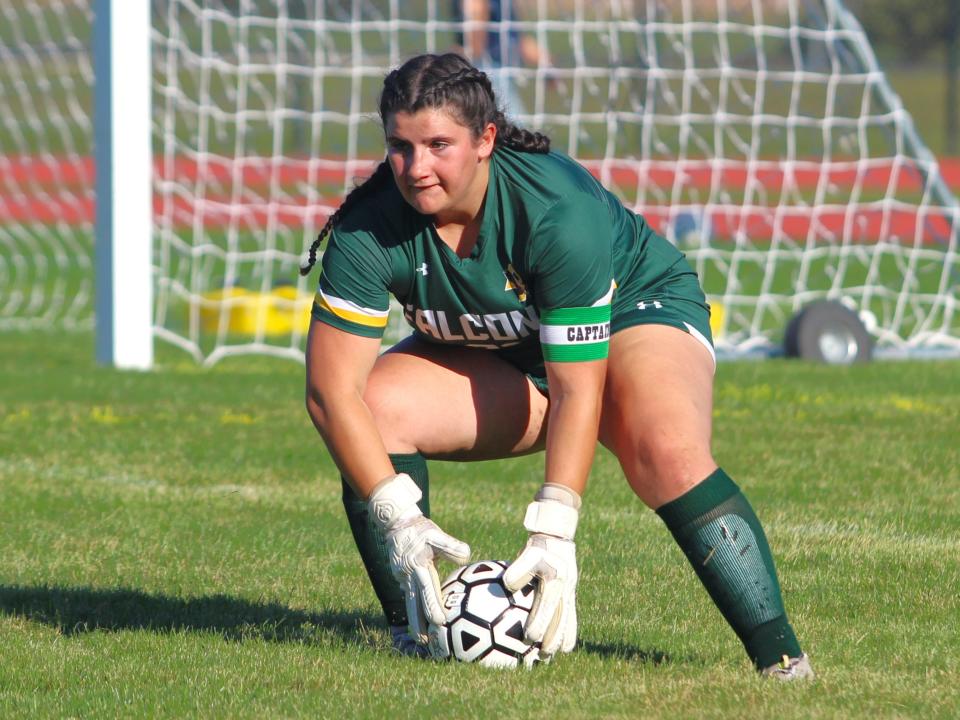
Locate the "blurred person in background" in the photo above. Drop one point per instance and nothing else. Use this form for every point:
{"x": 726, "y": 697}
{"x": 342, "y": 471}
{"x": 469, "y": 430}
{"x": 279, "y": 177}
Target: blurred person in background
{"x": 492, "y": 42}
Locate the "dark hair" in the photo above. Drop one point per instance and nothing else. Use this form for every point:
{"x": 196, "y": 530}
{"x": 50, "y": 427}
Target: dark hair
{"x": 446, "y": 81}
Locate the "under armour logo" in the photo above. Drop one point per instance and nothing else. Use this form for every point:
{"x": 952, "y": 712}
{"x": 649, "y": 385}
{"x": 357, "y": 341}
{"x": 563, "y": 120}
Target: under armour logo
{"x": 643, "y": 305}
{"x": 423, "y": 270}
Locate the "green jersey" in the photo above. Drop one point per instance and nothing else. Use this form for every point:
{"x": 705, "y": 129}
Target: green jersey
{"x": 553, "y": 245}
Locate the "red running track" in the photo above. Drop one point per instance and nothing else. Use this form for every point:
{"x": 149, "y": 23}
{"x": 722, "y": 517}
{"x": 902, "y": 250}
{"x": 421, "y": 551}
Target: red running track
{"x": 57, "y": 189}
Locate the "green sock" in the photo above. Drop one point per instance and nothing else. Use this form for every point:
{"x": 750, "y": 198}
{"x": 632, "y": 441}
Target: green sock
{"x": 371, "y": 543}
{"x": 722, "y": 538}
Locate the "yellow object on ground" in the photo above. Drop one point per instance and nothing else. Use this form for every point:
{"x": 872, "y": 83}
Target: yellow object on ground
{"x": 284, "y": 309}
{"x": 278, "y": 312}
{"x": 716, "y": 317}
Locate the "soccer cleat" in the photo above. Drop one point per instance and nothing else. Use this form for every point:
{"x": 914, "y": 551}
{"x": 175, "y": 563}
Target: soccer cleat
{"x": 406, "y": 645}
{"x": 796, "y": 668}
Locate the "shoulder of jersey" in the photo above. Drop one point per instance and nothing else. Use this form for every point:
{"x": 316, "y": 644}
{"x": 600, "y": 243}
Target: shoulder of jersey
{"x": 550, "y": 176}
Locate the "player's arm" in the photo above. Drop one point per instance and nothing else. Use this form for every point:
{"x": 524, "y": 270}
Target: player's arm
{"x": 575, "y": 343}
{"x": 576, "y": 394}
{"x": 338, "y": 364}
{"x": 576, "y": 285}
{"x": 350, "y": 314}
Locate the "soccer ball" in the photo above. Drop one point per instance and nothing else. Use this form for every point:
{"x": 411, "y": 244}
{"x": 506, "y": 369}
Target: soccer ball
{"x": 485, "y": 620}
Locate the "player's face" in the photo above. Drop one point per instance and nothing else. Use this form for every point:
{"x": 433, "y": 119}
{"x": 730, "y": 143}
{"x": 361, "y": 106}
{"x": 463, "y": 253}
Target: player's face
{"x": 439, "y": 167}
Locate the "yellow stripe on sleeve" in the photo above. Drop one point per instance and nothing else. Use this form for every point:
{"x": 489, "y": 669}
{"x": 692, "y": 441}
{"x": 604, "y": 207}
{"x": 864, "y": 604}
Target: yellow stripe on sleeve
{"x": 351, "y": 312}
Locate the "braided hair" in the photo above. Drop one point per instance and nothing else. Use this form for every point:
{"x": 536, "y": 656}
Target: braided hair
{"x": 445, "y": 81}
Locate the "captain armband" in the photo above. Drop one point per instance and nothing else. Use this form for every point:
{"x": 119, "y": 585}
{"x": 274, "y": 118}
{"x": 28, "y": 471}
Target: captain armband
{"x": 575, "y": 334}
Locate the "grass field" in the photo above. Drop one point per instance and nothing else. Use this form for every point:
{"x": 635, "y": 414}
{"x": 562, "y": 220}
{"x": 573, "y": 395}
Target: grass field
{"x": 173, "y": 545}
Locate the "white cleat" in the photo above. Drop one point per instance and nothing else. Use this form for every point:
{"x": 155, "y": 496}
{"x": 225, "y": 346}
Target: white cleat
{"x": 797, "y": 668}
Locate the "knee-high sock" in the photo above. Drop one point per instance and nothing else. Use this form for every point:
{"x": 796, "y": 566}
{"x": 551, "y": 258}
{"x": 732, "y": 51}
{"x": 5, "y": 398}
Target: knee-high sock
{"x": 722, "y": 538}
{"x": 371, "y": 543}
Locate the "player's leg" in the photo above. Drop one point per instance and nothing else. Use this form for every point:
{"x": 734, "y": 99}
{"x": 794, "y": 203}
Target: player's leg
{"x": 657, "y": 420}
{"x": 439, "y": 402}
{"x": 657, "y": 410}
{"x": 454, "y": 403}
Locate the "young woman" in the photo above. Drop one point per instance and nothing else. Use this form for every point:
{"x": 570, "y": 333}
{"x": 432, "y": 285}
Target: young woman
{"x": 545, "y": 316}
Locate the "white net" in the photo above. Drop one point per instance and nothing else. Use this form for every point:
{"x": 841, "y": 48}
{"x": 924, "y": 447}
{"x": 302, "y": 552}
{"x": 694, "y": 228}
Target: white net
{"x": 46, "y": 165}
{"x": 760, "y": 136}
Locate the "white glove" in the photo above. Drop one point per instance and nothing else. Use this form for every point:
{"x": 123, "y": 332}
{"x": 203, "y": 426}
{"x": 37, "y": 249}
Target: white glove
{"x": 550, "y": 556}
{"x": 414, "y": 542}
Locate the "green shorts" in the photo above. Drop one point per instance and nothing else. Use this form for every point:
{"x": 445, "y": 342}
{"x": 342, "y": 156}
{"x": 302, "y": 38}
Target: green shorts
{"x": 675, "y": 299}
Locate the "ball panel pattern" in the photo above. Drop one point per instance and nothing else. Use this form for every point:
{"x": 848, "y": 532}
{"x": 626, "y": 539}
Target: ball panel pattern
{"x": 484, "y": 621}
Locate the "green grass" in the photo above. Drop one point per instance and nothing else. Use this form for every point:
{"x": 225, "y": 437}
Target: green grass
{"x": 173, "y": 545}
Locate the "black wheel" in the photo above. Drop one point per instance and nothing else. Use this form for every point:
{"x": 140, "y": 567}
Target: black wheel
{"x": 828, "y": 332}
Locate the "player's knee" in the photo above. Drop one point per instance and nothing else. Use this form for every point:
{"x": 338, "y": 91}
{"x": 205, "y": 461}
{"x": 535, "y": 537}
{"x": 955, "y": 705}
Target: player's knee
{"x": 661, "y": 468}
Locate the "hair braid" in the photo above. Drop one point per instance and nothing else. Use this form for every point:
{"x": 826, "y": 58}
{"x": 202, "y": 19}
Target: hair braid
{"x": 374, "y": 182}
{"x": 518, "y": 138}
{"x": 439, "y": 90}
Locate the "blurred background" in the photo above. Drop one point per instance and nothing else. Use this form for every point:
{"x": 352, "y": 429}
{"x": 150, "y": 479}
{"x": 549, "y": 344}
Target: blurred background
{"x": 918, "y": 46}
{"x": 760, "y": 136}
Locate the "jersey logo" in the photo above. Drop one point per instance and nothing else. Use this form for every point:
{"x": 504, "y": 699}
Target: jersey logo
{"x": 644, "y": 305}
{"x": 515, "y": 282}
{"x": 423, "y": 269}
{"x": 491, "y": 330}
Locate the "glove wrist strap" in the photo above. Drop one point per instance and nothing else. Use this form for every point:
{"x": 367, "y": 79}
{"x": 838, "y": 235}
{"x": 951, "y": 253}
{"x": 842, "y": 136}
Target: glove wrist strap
{"x": 559, "y": 493}
{"x": 394, "y": 500}
{"x": 551, "y": 518}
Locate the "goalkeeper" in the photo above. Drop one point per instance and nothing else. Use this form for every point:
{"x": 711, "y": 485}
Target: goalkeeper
{"x": 546, "y": 316}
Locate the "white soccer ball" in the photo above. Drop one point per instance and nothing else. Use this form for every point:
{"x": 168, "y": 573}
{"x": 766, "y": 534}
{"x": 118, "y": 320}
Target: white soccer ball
{"x": 484, "y": 620}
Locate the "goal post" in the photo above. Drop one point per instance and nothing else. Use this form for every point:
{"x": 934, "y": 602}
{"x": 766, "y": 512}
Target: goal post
{"x": 124, "y": 173}
{"x": 760, "y": 136}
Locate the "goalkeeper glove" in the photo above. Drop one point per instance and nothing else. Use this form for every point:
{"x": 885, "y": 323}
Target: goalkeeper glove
{"x": 550, "y": 556}
{"x": 414, "y": 542}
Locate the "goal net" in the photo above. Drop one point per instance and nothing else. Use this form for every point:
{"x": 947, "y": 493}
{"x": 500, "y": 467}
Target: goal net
{"x": 760, "y": 136}
{"x": 46, "y": 165}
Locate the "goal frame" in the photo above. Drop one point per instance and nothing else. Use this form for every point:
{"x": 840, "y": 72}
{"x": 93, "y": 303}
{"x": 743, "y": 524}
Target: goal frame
{"x": 124, "y": 179}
